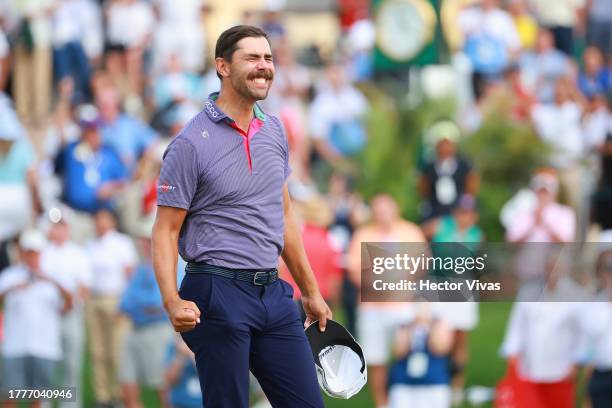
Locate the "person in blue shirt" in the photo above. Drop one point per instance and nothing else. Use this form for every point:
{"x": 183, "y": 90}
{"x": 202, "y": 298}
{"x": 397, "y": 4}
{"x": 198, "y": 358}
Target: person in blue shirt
{"x": 130, "y": 137}
{"x": 90, "y": 171}
{"x": 182, "y": 376}
{"x": 420, "y": 376}
{"x": 144, "y": 349}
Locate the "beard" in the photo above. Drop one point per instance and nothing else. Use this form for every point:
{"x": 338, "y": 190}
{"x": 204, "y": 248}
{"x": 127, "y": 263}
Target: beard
{"x": 241, "y": 84}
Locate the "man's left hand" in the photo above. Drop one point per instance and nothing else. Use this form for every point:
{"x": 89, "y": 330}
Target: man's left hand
{"x": 316, "y": 309}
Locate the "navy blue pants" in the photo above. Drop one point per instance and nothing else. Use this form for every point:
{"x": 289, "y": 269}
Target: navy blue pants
{"x": 600, "y": 389}
{"x": 244, "y": 327}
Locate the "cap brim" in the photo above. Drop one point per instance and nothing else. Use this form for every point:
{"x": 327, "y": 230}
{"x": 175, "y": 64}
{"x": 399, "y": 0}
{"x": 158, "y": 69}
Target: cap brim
{"x": 334, "y": 334}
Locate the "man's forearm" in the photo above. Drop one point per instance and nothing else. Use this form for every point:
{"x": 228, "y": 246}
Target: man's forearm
{"x": 165, "y": 259}
{"x": 295, "y": 257}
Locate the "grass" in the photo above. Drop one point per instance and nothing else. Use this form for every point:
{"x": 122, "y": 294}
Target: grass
{"x": 485, "y": 366}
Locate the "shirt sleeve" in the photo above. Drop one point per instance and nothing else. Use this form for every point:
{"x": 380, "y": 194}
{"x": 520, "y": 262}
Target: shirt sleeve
{"x": 179, "y": 175}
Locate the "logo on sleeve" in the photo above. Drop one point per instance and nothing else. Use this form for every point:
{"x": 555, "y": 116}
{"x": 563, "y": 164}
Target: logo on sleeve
{"x": 165, "y": 188}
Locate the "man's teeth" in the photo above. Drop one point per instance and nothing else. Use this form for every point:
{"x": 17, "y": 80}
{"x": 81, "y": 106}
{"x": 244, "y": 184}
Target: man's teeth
{"x": 260, "y": 80}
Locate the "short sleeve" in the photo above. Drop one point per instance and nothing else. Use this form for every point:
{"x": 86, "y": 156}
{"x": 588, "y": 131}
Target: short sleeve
{"x": 178, "y": 179}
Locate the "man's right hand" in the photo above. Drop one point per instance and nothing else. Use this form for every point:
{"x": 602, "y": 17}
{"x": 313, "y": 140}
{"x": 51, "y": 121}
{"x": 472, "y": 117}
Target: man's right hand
{"x": 184, "y": 315}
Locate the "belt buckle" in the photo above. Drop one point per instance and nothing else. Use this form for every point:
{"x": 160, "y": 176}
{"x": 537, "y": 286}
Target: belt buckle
{"x": 264, "y": 275}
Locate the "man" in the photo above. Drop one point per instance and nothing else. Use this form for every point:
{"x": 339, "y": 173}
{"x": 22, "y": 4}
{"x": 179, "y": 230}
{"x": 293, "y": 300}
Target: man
{"x": 32, "y": 304}
{"x": 91, "y": 173}
{"x": 67, "y": 262}
{"x": 113, "y": 257}
{"x": 224, "y": 202}
{"x": 377, "y": 321}
{"x": 447, "y": 175}
{"x": 146, "y": 344}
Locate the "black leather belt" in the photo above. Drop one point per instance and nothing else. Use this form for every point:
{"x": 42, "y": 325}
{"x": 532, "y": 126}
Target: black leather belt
{"x": 256, "y": 277}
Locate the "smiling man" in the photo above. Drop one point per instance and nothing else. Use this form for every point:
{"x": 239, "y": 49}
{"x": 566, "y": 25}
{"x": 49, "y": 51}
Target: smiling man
{"x": 223, "y": 202}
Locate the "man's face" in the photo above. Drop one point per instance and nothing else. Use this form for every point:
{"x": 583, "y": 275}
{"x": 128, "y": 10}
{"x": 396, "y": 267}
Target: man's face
{"x": 31, "y": 259}
{"x": 251, "y": 71}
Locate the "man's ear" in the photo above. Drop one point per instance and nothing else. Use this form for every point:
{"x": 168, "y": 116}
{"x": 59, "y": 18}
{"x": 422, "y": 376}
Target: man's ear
{"x": 222, "y": 66}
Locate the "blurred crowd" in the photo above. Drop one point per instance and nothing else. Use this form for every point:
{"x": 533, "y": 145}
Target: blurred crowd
{"x": 92, "y": 91}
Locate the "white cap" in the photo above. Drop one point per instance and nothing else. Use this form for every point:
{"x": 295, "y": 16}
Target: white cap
{"x": 339, "y": 361}
{"x": 32, "y": 240}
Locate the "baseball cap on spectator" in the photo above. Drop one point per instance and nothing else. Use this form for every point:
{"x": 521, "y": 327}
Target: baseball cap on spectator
{"x": 32, "y": 240}
{"x": 442, "y": 130}
{"x": 339, "y": 360}
{"x": 89, "y": 117}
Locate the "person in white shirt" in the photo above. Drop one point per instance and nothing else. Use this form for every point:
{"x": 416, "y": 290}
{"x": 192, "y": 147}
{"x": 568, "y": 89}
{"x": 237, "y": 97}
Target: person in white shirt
{"x": 490, "y": 21}
{"x": 597, "y": 324}
{"x": 337, "y": 132}
{"x": 544, "y": 340}
{"x": 559, "y": 124}
{"x": 113, "y": 258}
{"x": 180, "y": 32}
{"x": 33, "y": 304}
{"x": 67, "y": 263}
{"x": 129, "y": 30}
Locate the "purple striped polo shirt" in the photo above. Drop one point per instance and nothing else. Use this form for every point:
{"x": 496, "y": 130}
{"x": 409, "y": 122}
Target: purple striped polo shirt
{"x": 231, "y": 185}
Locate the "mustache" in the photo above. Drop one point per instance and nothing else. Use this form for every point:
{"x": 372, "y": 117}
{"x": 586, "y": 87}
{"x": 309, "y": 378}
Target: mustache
{"x": 266, "y": 74}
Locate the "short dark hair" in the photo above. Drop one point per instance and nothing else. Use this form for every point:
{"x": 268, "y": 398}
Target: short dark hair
{"x": 226, "y": 43}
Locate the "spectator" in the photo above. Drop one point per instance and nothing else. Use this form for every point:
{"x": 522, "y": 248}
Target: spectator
{"x": 602, "y": 199}
{"x": 376, "y": 322}
{"x": 127, "y": 135}
{"x": 337, "y": 133}
{"x": 322, "y": 250}
{"x": 17, "y": 179}
{"x": 420, "y": 375}
{"x": 544, "y": 340}
{"x": 596, "y": 124}
{"x": 182, "y": 376}
{"x": 542, "y": 68}
{"x": 113, "y": 257}
{"x": 145, "y": 345}
{"x": 5, "y": 55}
{"x": 562, "y": 18}
{"x": 491, "y": 38}
{"x": 526, "y": 26}
{"x": 599, "y": 25}
{"x": 542, "y": 219}
{"x": 180, "y": 33}
{"x": 176, "y": 85}
{"x": 129, "y": 29}
{"x": 67, "y": 263}
{"x": 91, "y": 173}
{"x": 349, "y": 212}
{"x": 447, "y": 175}
{"x": 69, "y": 58}
{"x": 33, "y": 304}
{"x": 598, "y": 327}
{"x": 559, "y": 125}
{"x": 522, "y": 99}
{"x": 594, "y": 79}
{"x": 93, "y": 37}
{"x": 459, "y": 226}
{"x": 32, "y": 72}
